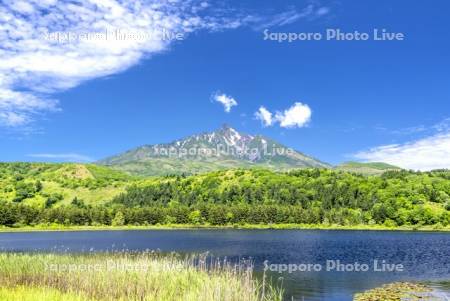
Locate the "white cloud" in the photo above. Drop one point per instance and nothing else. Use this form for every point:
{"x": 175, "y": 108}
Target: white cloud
{"x": 33, "y": 67}
{"x": 22, "y": 7}
{"x": 296, "y": 116}
{"x": 226, "y": 101}
{"x": 265, "y": 116}
{"x": 69, "y": 157}
{"x": 428, "y": 153}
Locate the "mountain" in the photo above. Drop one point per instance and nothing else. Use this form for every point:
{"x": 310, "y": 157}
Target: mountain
{"x": 222, "y": 149}
{"x": 371, "y": 168}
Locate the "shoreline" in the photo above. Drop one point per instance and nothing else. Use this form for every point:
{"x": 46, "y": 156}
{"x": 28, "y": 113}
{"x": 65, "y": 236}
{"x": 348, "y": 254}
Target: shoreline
{"x": 57, "y": 228}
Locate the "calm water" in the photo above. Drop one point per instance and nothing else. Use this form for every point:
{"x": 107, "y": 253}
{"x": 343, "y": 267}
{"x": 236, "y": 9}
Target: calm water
{"x": 425, "y": 256}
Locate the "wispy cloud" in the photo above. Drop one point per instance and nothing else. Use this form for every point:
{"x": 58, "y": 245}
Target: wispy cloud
{"x": 421, "y": 129}
{"x": 296, "y": 116}
{"x": 33, "y": 66}
{"x": 321, "y": 11}
{"x": 13, "y": 118}
{"x": 227, "y": 101}
{"x": 67, "y": 157}
{"x": 443, "y": 126}
{"x": 290, "y": 16}
{"x": 410, "y": 130}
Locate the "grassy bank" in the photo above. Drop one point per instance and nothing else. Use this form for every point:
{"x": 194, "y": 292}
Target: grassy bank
{"x": 127, "y": 276}
{"x": 57, "y": 227}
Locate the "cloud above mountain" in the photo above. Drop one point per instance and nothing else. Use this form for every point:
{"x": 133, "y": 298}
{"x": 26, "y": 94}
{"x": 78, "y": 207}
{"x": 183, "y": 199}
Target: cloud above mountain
{"x": 296, "y": 116}
{"x": 265, "y": 116}
{"x": 50, "y": 46}
{"x": 227, "y": 101}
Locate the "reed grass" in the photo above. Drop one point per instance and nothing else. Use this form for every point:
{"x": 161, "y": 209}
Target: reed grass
{"x": 146, "y": 276}
{"x": 22, "y": 293}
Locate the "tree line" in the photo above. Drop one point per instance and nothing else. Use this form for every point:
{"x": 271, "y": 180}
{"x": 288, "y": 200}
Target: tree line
{"x": 22, "y": 215}
{"x": 310, "y": 196}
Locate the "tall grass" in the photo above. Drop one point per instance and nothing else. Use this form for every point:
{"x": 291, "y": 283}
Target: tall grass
{"x": 22, "y": 293}
{"x": 130, "y": 276}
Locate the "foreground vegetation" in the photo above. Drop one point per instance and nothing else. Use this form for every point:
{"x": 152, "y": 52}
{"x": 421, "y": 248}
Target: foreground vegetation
{"x": 24, "y": 293}
{"x": 65, "y": 195}
{"x": 57, "y": 227}
{"x": 127, "y": 276}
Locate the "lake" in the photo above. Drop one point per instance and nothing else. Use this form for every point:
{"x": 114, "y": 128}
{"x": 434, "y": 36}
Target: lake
{"x": 421, "y": 256}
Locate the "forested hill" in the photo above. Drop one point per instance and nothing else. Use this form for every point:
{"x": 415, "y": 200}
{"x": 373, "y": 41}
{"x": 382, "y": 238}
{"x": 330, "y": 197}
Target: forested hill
{"x": 396, "y": 197}
{"x": 77, "y": 194}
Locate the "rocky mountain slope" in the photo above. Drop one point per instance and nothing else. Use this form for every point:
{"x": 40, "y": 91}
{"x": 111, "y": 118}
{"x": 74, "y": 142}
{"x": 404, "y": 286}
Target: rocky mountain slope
{"x": 221, "y": 149}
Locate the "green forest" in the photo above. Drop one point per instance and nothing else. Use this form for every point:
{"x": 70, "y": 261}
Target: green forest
{"x": 34, "y": 194}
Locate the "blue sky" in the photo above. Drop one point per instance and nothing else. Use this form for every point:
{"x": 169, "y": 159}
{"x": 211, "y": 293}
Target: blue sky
{"x": 336, "y": 100}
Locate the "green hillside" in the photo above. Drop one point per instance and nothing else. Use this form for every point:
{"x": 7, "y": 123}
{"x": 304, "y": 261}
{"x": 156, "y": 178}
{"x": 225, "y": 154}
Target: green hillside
{"x": 45, "y": 184}
{"x": 79, "y": 194}
{"x": 370, "y": 168}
